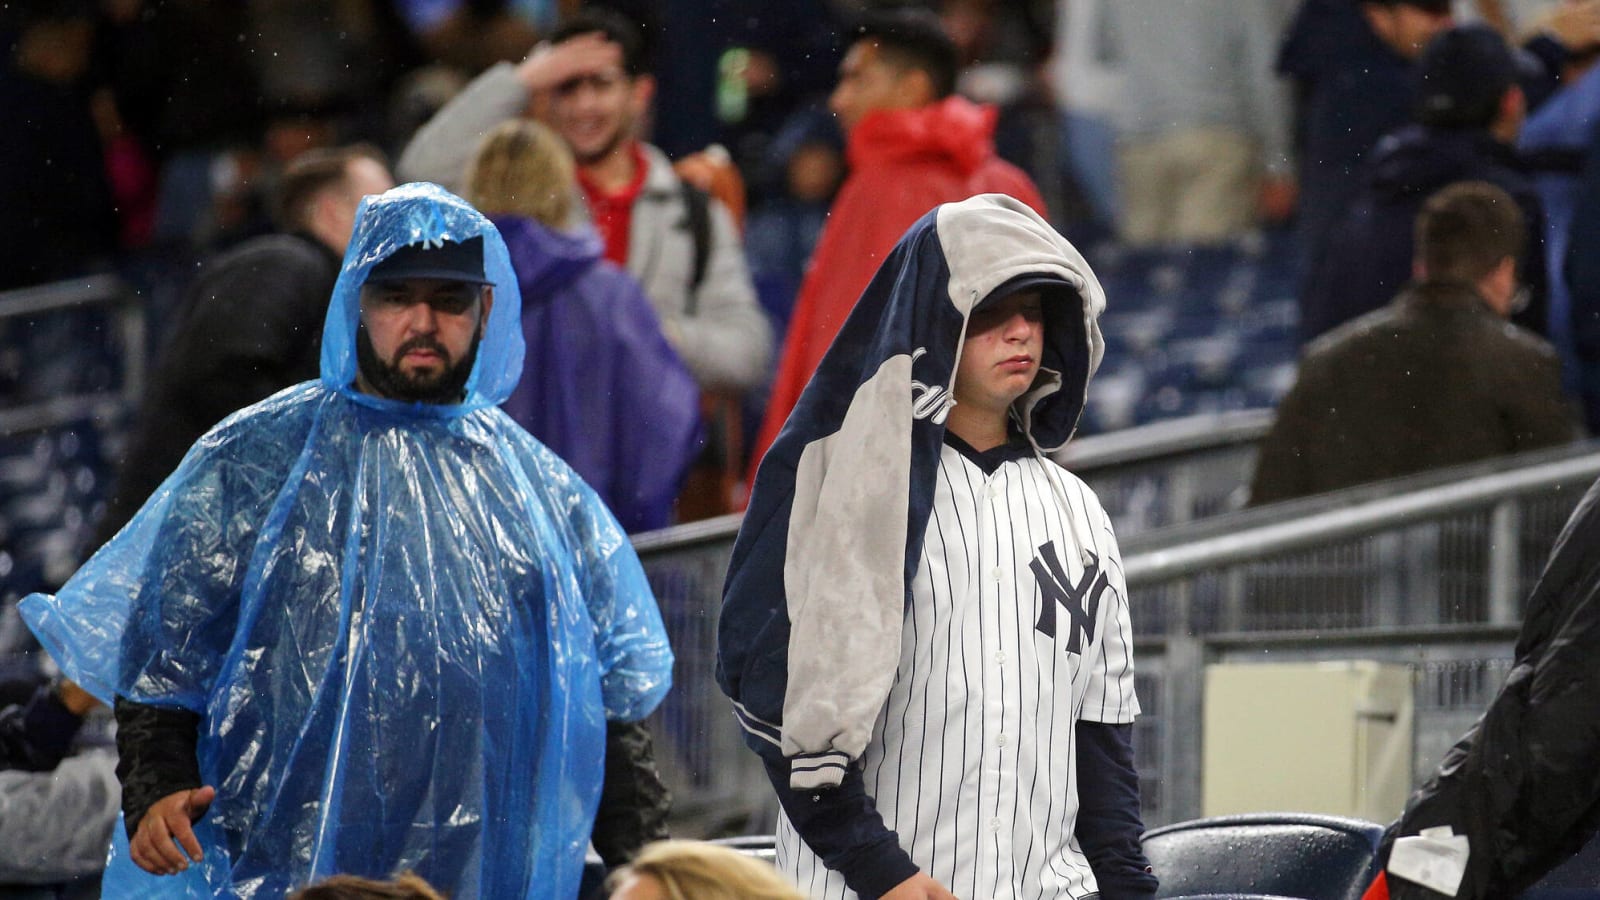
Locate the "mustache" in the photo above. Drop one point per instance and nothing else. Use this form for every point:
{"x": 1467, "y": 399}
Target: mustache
{"x": 421, "y": 342}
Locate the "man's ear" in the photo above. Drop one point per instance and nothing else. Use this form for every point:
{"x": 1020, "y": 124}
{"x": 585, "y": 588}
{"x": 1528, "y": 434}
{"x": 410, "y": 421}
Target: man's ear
{"x": 914, "y": 88}
{"x": 488, "y": 306}
{"x": 643, "y": 91}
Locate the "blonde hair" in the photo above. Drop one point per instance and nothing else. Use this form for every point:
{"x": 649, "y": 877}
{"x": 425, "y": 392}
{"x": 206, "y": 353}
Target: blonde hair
{"x": 696, "y": 870}
{"x": 522, "y": 168}
{"x": 353, "y": 887}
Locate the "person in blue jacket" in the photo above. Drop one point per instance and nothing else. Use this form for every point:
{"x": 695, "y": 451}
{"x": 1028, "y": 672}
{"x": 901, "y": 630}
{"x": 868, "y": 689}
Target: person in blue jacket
{"x": 369, "y": 624}
{"x": 601, "y": 386}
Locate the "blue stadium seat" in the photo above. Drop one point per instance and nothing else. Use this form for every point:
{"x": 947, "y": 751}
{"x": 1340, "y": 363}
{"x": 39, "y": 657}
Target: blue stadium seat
{"x": 1308, "y": 856}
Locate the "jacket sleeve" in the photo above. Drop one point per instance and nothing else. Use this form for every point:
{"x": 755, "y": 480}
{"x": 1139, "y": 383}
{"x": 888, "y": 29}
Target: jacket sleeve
{"x": 1538, "y": 414}
{"x": 633, "y": 801}
{"x": 35, "y": 736}
{"x": 722, "y": 335}
{"x": 1109, "y": 828}
{"x": 843, "y": 827}
{"x": 1522, "y": 784}
{"x": 440, "y": 150}
{"x": 657, "y": 407}
{"x": 156, "y": 755}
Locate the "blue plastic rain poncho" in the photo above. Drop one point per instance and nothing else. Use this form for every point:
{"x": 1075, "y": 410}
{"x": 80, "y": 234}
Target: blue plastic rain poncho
{"x": 403, "y": 624}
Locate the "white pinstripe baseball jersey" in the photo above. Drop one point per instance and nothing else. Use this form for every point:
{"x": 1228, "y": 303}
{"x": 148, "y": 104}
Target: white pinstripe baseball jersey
{"x": 1018, "y": 628}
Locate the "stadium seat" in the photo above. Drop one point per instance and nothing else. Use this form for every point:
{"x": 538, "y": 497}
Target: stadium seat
{"x": 1307, "y": 856}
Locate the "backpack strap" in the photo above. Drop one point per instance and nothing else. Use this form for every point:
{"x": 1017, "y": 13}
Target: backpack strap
{"x": 697, "y": 206}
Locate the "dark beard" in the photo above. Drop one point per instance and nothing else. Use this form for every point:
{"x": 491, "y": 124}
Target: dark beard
{"x": 388, "y": 381}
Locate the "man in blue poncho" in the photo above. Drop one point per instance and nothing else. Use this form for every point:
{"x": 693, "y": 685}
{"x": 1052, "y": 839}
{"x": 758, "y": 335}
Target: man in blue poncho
{"x": 369, "y": 624}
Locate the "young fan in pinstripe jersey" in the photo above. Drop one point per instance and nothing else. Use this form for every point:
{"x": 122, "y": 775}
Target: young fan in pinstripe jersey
{"x": 968, "y": 736}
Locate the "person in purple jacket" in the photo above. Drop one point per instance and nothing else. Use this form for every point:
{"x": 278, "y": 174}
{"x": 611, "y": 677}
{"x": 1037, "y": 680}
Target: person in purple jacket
{"x": 601, "y": 386}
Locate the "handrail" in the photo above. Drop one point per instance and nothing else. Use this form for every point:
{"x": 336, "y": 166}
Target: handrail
{"x": 1321, "y": 639}
{"x": 59, "y": 295}
{"x": 59, "y": 411}
{"x": 1083, "y": 457}
{"x": 103, "y": 289}
{"x": 1383, "y": 513}
{"x": 689, "y": 534}
{"x": 1206, "y": 431}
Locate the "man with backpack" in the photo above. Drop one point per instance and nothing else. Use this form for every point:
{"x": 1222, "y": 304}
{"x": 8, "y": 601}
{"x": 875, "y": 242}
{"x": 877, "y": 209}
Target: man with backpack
{"x": 590, "y": 83}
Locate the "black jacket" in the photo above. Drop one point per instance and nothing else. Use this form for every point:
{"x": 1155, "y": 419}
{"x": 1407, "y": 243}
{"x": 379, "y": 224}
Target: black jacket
{"x": 250, "y": 326}
{"x": 1367, "y": 258}
{"x": 1434, "y": 379}
{"x": 1523, "y": 785}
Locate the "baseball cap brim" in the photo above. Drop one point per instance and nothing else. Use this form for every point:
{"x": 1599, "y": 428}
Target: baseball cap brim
{"x": 450, "y": 261}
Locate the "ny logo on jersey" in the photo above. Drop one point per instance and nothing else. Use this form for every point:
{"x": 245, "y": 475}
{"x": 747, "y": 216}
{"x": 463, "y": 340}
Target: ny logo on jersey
{"x": 1081, "y": 599}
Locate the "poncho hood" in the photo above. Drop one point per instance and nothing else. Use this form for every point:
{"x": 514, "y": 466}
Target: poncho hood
{"x": 410, "y": 214}
{"x": 547, "y": 260}
{"x": 822, "y": 569}
{"x": 955, "y": 130}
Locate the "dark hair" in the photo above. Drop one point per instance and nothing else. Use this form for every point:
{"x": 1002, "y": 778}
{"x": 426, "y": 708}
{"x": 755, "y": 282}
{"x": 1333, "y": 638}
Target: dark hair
{"x": 1437, "y": 7}
{"x": 312, "y": 172}
{"x": 1465, "y": 229}
{"x": 913, "y": 39}
{"x": 615, "y": 27}
{"x": 352, "y": 887}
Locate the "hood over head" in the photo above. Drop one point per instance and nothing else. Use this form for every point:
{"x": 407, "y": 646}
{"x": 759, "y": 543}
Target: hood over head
{"x": 423, "y": 213}
{"x": 547, "y": 259}
{"x": 995, "y": 245}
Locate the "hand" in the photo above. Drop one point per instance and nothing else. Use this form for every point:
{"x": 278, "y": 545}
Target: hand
{"x": 1276, "y": 199}
{"x": 1575, "y": 24}
{"x": 77, "y": 700}
{"x": 168, "y": 820}
{"x": 919, "y": 887}
{"x": 548, "y": 65}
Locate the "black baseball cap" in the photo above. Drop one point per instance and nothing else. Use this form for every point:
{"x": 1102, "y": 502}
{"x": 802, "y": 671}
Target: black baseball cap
{"x": 1461, "y": 76}
{"x": 450, "y": 260}
{"x": 1030, "y": 281}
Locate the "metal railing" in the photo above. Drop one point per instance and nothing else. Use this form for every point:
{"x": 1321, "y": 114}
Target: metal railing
{"x": 1456, "y": 546}
{"x": 1325, "y": 578}
{"x": 1172, "y": 472}
{"x": 57, "y": 316}
{"x": 72, "y": 369}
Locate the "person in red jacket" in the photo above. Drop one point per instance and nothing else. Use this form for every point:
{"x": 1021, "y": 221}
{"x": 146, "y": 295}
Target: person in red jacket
{"x": 912, "y": 145}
